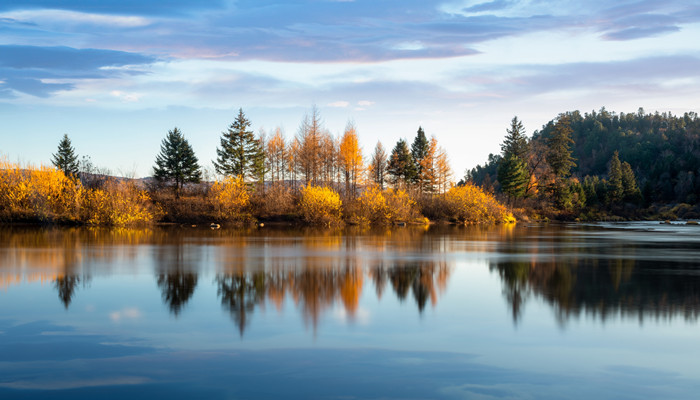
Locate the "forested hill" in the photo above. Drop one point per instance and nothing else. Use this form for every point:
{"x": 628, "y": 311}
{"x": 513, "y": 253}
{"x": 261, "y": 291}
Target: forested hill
{"x": 663, "y": 150}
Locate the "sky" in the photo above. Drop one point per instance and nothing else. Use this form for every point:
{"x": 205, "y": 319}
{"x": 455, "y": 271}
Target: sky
{"x": 117, "y": 75}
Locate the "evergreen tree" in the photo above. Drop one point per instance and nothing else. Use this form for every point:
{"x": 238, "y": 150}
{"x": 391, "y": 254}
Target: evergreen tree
{"x": 513, "y": 176}
{"x": 65, "y": 158}
{"x": 516, "y": 141}
{"x": 239, "y": 151}
{"x": 176, "y": 162}
{"x": 629, "y": 184}
{"x": 419, "y": 150}
{"x": 559, "y": 155}
{"x": 401, "y": 167}
{"x": 616, "y": 190}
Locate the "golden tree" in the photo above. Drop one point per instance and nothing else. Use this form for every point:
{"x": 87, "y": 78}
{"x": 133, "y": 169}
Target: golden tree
{"x": 350, "y": 159}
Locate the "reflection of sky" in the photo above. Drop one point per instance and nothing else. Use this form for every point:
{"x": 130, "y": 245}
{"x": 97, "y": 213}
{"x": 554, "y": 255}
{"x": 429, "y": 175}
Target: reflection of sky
{"x": 118, "y": 337}
{"x": 117, "y": 75}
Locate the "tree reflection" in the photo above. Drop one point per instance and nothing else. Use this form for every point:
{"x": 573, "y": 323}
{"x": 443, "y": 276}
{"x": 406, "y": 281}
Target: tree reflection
{"x": 614, "y": 281}
{"x": 66, "y": 286}
{"x": 240, "y": 294}
{"x": 177, "y": 265}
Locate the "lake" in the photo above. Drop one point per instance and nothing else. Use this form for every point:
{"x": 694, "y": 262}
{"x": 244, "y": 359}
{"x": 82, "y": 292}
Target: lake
{"x": 548, "y": 311}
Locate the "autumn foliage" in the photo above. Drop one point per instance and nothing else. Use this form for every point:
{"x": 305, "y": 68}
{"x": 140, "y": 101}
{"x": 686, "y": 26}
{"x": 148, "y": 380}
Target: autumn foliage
{"x": 320, "y": 205}
{"x": 470, "y": 204}
{"x": 230, "y": 198}
{"x": 47, "y": 194}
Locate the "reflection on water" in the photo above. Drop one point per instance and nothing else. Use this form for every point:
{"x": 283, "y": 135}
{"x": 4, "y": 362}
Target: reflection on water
{"x": 410, "y": 313}
{"x": 623, "y": 272}
{"x": 603, "y": 273}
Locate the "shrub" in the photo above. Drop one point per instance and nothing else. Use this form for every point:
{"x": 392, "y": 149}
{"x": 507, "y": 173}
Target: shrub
{"x": 230, "y": 198}
{"x": 371, "y": 208}
{"x": 276, "y": 201}
{"x": 118, "y": 203}
{"x": 400, "y": 206}
{"x": 38, "y": 193}
{"x": 470, "y": 204}
{"x": 320, "y": 205}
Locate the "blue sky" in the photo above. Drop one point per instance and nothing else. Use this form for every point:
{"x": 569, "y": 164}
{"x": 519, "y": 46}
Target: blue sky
{"x": 116, "y": 75}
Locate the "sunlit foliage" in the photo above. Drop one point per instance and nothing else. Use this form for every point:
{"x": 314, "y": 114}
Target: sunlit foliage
{"x": 470, "y": 204}
{"x": 230, "y": 198}
{"x": 320, "y": 205}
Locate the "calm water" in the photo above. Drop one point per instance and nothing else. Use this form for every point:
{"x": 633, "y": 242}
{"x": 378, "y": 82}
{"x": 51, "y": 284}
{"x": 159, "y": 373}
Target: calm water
{"x": 535, "y": 311}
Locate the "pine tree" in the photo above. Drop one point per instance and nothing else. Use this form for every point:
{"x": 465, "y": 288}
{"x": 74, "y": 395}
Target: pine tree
{"x": 559, "y": 155}
{"x": 377, "y": 165}
{"x": 629, "y": 184}
{"x": 616, "y": 190}
{"x": 419, "y": 149}
{"x": 65, "y": 158}
{"x": 176, "y": 162}
{"x": 401, "y": 167}
{"x": 239, "y": 149}
{"x": 516, "y": 140}
{"x": 513, "y": 172}
{"x": 513, "y": 176}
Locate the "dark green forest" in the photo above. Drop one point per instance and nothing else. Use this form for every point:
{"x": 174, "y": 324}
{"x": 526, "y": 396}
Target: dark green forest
{"x": 622, "y": 163}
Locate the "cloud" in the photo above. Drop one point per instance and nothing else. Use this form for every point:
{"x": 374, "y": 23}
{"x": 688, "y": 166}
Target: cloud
{"x": 126, "y": 313}
{"x": 58, "y": 17}
{"x": 150, "y": 7}
{"x": 28, "y": 69}
{"x": 638, "y": 33}
{"x": 365, "y": 103}
{"x": 338, "y": 104}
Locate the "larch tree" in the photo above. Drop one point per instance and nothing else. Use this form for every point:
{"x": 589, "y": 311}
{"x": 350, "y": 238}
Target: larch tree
{"x": 377, "y": 165}
{"x": 176, "y": 162}
{"x": 277, "y": 156}
{"x": 65, "y": 158}
{"x": 401, "y": 167}
{"x": 443, "y": 170}
{"x": 239, "y": 150}
{"x": 309, "y": 137}
{"x": 350, "y": 159}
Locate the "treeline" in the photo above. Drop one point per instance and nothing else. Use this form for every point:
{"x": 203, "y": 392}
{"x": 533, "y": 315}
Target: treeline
{"x": 599, "y": 164}
{"x": 312, "y": 177}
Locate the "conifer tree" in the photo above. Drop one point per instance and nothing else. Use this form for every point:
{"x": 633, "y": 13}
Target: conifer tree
{"x": 516, "y": 140}
{"x": 239, "y": 151}
{"x": 616, "y": 190}
{"x": 65, "y": 158}
{"x": 512, "y": 170}
{"x": 176, "y": 162}
{"x": 401, "y": 167}
{"x": 629, "y": 184}
{"x": 419, "y": 149}
{"x": 559, "y": 155}
{"x": 513, "y": 176}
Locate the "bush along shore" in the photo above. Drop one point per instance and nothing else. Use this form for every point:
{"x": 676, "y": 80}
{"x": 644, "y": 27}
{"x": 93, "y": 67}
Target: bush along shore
{"x": 47, "y": 195}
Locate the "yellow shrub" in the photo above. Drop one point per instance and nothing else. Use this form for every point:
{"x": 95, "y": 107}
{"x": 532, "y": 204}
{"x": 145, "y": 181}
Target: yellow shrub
{"x": 118, "y": 203}
{"x": 230, "y": 198}
{"x": 43, "y": 193}
{"x": 470, "y": 204}
{"x": 400, "y": 206}
{"x": 320, "y": 205}
{"x": 373, "y": 207}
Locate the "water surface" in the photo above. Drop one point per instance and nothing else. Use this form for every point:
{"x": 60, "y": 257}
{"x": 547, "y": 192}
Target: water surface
{"x": 532, "y": 311}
